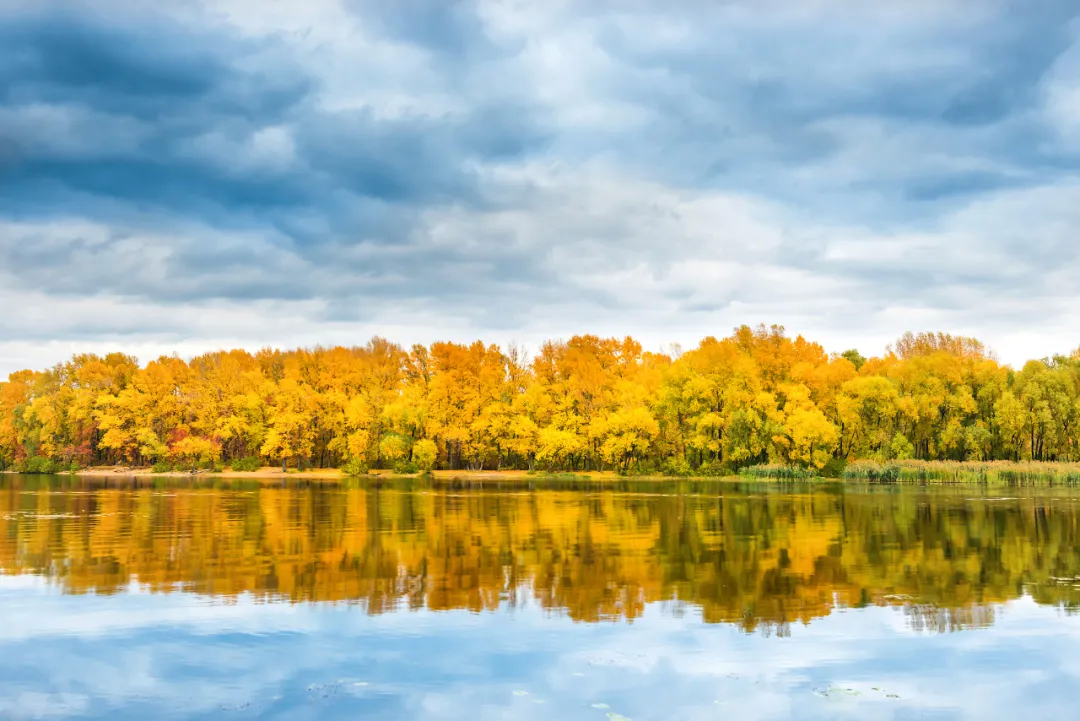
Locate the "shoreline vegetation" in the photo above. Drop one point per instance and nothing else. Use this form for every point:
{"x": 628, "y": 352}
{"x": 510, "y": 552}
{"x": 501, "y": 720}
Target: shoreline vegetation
{"x": 991, "y": 473}
{"x": 757, "y": 404}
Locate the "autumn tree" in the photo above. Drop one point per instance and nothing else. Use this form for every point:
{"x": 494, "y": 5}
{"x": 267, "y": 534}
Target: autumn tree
{"x": 585, "y": 403}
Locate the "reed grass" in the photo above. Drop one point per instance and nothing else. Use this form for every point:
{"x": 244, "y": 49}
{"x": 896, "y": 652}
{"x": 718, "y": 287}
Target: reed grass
{"x": 1000, "y": 473}
{"x": 1007, "y": 473}
{"x": 779, "y": 472}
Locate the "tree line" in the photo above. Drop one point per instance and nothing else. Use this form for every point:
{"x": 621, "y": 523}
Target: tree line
{"x": 589, "y": 403}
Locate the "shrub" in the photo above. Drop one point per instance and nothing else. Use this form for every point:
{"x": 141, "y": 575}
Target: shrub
{"x": 425, "y": 453}
{"x": 872, "y": 471}
{"x": 193, "y": 452}
{"x": 405, "y": 466}
{"x": 677, "y": 467}
{"x": 834, "y": 468}
{"x": 901, "y": 448}
{"x": 394, "y": 448}
{"x": 161, "y": 467}
{"x": 779, "y": 472}
{"x": 40, "y": 464}
{"x": 713, "y": 469}
{"x": 246, "y": 465}
{"x": 641, "y": 469}
{"x": 355, "y": 467}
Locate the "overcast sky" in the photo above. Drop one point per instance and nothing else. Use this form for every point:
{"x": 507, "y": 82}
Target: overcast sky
{"x": 187, "y": 176}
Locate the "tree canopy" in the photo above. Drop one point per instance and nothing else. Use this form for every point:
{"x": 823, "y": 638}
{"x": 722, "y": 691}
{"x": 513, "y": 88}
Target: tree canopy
{"x": 588, "y": 403}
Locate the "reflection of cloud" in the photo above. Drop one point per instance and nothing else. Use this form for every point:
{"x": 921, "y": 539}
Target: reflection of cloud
{"x": 174, "y": 654}
{"x": 96, "y": 617}
{"x": 39, "y": 705}
{"x": 193, "y": 170}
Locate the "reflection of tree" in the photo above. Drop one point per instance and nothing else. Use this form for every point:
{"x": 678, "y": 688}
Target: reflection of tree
{"x": 924, "y": 617}
{"x": 762, "y": 562}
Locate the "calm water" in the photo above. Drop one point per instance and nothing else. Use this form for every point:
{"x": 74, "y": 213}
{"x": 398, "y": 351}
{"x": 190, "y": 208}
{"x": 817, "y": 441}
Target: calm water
{"x": 421, "y": 601}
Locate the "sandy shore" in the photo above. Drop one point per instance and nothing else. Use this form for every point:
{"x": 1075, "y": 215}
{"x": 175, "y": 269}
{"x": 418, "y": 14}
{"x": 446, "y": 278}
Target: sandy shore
{"x": 326, "y": 474}
{"x": 264, "y": 472}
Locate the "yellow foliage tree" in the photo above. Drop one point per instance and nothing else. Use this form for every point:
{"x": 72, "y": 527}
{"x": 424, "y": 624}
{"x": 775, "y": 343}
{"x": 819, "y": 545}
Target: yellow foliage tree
{"x": 581, "y": 404}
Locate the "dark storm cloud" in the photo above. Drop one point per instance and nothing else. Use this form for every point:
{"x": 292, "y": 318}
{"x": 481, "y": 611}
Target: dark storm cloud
{"x": 175, "y": 87}
{"x": 122, "y": 101}
{"x": 191, "y": 113}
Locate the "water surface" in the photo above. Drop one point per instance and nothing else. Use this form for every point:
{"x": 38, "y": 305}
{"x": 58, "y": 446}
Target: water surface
{"x": 414, "y": 600}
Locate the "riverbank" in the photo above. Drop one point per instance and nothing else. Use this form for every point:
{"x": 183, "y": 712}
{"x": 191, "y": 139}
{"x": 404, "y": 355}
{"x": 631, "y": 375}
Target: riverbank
{"x": 333, "y": 474}
{"x": 912, "y": 472}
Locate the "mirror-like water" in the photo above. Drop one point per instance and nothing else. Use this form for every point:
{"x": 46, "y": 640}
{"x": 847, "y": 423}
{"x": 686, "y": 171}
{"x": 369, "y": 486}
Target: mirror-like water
{"x": 562, "y": 601}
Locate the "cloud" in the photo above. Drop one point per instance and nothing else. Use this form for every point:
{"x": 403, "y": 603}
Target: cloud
{"x": 185, "y": 176}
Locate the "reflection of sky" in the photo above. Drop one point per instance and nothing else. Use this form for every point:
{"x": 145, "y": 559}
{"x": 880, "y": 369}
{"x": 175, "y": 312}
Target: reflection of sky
{"x": 136, "y": 656}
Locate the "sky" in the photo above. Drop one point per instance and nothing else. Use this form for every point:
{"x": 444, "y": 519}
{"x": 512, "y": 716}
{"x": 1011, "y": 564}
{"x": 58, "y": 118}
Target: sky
{"x": 186, "y": 176}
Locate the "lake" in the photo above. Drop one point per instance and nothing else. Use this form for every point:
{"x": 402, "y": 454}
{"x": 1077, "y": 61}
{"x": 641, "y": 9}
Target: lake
{"x": 411, "y": 599}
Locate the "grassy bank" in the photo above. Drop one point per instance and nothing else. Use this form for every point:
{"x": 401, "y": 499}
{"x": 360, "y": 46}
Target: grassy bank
{"x": 1005, "y": 473}
{"x": 1001, "y": 473}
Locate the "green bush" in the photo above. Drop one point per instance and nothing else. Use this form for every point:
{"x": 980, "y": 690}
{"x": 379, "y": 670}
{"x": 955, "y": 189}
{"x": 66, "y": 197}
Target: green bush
{"x": 872, "y": 471}
{"x": 780, "y": 472}
{"x": 74, "y": 467}
{"x": 40, "y": 464}
{"x": 355, "y": 467}
{"x": 834, "y": 468}
{"x": 677, "y": 467}
{"x": 640, "y": 469}
{"x": 713, "y": 469}
{"x": 405, "y": 466}
{"x": 246, "y": 465}
{"x": 161, "y": 467}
